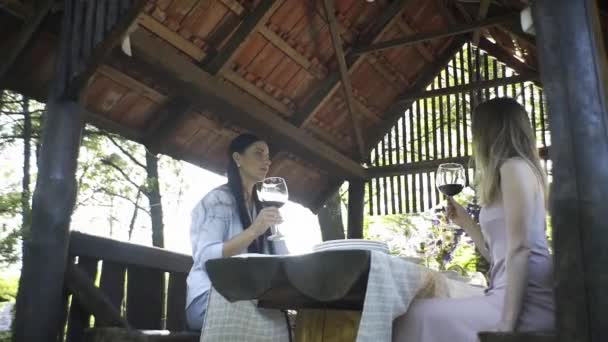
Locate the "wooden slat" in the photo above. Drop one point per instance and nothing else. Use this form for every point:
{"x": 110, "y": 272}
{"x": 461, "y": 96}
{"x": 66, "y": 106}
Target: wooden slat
{"x": 209, "y": 92}
{"x": 112, "y": 283}
{"x": 344, "y": 76}
{"x": 420, "y": 158}
{"x": 13, "y": 48}
{"x": 258, "y": 17}
{"x": 79, "y": 314}
{"x": 176, "y": 302}
{"x": 425, "y": 36}
{"x": 100, "y": 17}
{"x": 174, "y": 38}
{"x": 17, "y": 8}
{"x": 533, "y": 111}
{"x": 88, "y": 298}
{"x": 144, "y": 297}
{"x": 115, "y": 31}
{"x": 542, "y": 117}
{"x": 124, "y": 252}
{"x": 460, "y": 123}
{"x": 316, "y": 71}
{"x": 505, "y": 57}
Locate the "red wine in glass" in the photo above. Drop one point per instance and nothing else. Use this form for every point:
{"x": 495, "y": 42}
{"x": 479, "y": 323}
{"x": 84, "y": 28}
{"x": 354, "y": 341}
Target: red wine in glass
{"x": 451, "y": 189}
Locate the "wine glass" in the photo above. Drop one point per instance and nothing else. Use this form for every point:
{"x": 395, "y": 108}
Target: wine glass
{"x": 450, "y": 179}
{"x": 272, "y": 192}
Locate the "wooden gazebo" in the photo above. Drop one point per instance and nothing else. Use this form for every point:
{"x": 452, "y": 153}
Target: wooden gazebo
{"x": 323, "y": 82}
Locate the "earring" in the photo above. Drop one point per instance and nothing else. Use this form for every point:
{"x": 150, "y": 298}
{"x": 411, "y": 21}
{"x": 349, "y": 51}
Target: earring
{"x": 238, "y": 165}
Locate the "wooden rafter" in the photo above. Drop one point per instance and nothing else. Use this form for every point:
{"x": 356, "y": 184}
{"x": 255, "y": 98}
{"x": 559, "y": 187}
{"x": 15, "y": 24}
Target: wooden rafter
{"x": 205, "y": 91}
{"x": 425, "y": 36}
{"x": 344, "y": 76}
{"x": 16, "y": 8}
{"x": 258, "y": 17}
{"x": 328, "y": 87}
{"x": 14, "y": 48}
{"x": 484, "y": 7}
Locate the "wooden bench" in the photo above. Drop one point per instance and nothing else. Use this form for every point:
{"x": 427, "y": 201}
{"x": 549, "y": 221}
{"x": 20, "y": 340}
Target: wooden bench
{"x": 122, "y": 286}
{"x": 516, "y": 337}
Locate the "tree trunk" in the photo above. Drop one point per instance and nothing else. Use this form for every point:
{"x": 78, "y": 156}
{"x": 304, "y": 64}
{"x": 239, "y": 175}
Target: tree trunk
{"x": 25, "y": 193}
{"x": 153, "y": 194}
{"x": 330, "y": 218}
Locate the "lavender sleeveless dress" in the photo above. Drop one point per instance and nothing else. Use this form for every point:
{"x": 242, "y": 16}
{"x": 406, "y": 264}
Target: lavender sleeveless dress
{"x": 459, "y": 320}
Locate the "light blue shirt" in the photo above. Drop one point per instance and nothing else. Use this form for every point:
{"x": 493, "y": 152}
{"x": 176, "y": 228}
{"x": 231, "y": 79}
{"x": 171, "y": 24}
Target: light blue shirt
{"x": 215, "y": 219}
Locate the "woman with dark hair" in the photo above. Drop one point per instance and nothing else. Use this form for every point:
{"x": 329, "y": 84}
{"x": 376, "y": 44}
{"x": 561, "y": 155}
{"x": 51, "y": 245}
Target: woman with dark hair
{"x": 511, "y": 186}
{"x": 230, "y": 220}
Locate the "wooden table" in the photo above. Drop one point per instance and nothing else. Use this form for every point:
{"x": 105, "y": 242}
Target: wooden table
{"x": 327, "y": 288}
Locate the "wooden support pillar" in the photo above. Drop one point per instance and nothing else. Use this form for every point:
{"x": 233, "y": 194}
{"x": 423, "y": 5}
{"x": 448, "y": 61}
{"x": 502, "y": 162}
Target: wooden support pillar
{"x": 575, "y": 78}
{"x": 40, "y": 299}
{"x": 330, "y": 218}
{"x": 356, "y": 198}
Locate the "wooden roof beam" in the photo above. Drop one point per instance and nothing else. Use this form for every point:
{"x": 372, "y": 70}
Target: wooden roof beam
{"x": 484, "y": 7}
{"x": 18, "y": 44}
{"x": 258, "y": 17}
{"x": 329, "y": 85}
{"x": 205, "y": 91}
{"x": 429, "y": 165}
{"x": 478, "y": 85}
{"x": 425, "y": 36}
{"x": 344, "y": 76}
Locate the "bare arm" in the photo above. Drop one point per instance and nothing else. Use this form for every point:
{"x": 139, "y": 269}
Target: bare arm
{"x": 459, "y": 216}
{"x": 267, "y": 217}
{"x": 519, "y": 187}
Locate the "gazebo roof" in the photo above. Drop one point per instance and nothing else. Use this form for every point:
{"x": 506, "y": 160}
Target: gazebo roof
{"x": 201, "y": 72}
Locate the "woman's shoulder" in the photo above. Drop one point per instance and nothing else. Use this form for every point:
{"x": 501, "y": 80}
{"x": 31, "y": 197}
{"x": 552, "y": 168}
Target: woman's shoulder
{"x": 516, "y": 164}
{"x": 220, "y": 196}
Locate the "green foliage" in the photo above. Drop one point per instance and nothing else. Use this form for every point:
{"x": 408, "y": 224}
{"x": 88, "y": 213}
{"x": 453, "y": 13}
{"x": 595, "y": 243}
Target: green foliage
{"x": 8, "y": 289}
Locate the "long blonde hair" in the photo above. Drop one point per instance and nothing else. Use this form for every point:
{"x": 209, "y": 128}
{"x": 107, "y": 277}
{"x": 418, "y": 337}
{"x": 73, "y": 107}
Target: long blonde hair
{"x": 501, "y": 130}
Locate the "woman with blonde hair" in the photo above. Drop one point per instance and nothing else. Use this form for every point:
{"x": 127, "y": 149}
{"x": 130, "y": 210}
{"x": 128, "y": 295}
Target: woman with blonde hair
{"x": 511, "y": 236}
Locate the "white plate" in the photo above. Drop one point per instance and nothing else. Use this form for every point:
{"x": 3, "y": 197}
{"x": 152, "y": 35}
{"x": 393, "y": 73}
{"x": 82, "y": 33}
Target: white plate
{"x": 252, "y": 255}
{"x": 348, "y": 241}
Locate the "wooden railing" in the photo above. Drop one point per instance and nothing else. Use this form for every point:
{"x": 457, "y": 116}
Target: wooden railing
{"x": 122, "y": 285}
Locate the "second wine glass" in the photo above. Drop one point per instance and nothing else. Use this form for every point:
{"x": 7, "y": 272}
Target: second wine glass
{"x": 272, "y": 192}
{"x": 450, "y": 179}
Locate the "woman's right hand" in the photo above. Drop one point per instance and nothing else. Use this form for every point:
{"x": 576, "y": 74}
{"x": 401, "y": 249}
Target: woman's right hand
{"x": 266, "y": 218}
{"x": 458, "y": 214}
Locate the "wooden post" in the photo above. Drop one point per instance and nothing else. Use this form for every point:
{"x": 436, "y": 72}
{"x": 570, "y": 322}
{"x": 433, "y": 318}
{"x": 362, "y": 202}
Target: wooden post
{"x": 356, "y": 197}
{"x": 574, "y": 74}
{"x": 39, "y": 302}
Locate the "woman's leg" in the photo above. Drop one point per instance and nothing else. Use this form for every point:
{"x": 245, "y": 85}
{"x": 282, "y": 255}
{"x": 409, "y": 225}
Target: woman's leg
{"x": 195, "y": 312}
